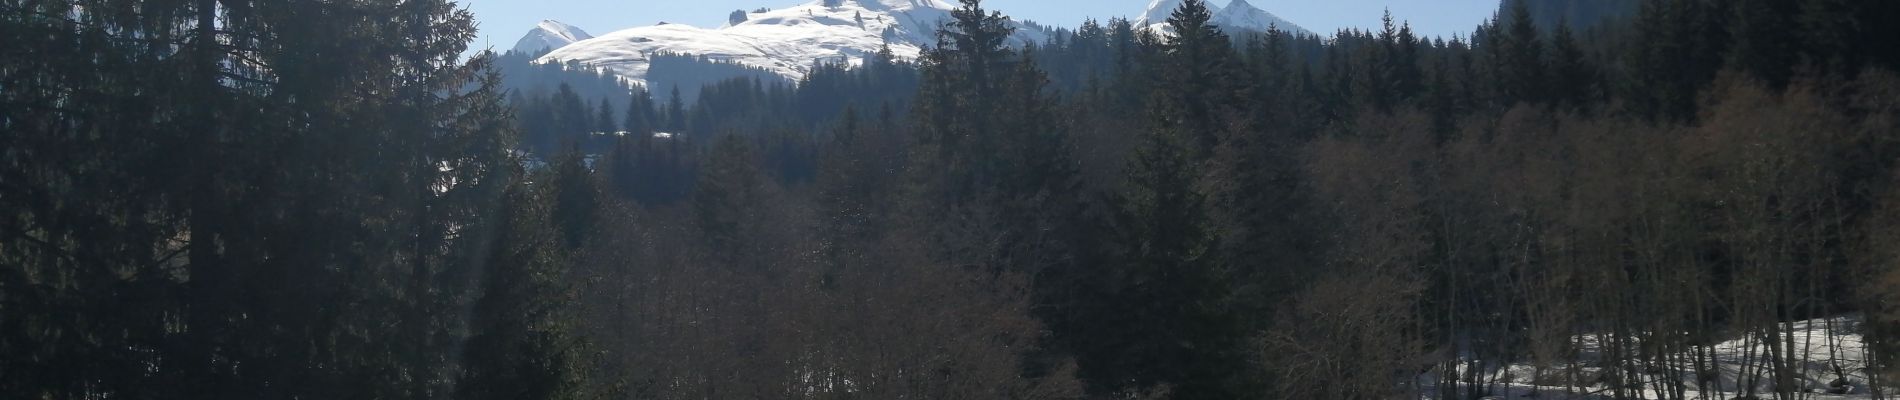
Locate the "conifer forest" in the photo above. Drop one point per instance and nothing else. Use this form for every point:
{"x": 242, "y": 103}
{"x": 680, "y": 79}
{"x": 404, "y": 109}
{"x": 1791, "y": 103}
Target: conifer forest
{"x": 336, "y": 199}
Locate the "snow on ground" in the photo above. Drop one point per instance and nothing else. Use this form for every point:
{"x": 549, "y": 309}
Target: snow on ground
{"x": 1834, "y": 367}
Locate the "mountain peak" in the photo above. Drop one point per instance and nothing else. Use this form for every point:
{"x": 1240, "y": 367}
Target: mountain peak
{"x": 1241, "y": 15}
{"x": 550, "y": 35}
{"x": 1159, "y": 10}
{"x": 1238, "y": 15}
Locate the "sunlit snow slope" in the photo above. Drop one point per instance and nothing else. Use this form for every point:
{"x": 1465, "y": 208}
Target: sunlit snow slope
{"x": 549, "y": 35}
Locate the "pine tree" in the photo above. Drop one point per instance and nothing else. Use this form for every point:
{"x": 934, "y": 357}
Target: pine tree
{"x": 604, "y": 123}
{"x": 855, "y": 181}
{"x": 1520, "y": 58}
{"x": 1763, "y": 45}
{"x": 1201, "y": 80}
{"x": 524, "y": 345}
{"x": 1406, "y": 76}
{"x": 1827, "y": 29}
{"x": 977, "y": 35}
{"x": 728, "y": 195}
{"x": 256, "y": 190}
{"x": 1648, "y": 62}
{"x": 575, "y": 200}
{"x": 675, "y": 112}
{"x": 1573, "y": 78}
{"x": 572, "y": 120}
{"x": 1386, "y": 72}
{"x": 639, "y": 119}
{"x": 93, "y": 308}
{"x": 957, "y": 107}
{"x": 1153, "y": 325}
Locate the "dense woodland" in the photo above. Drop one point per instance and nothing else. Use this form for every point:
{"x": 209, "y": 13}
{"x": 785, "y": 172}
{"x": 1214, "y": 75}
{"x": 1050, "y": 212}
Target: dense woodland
{"x": 299, "y": 199}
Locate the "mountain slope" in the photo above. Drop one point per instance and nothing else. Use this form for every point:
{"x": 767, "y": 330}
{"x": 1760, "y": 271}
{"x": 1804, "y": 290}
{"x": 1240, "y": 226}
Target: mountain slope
{"x": 787, "y": 41}
{"x": 1237, "y": 16}
{"x": 1158, "y": 11}
{"x": 1244, "y": 16}
{"x": 550, "y": 35}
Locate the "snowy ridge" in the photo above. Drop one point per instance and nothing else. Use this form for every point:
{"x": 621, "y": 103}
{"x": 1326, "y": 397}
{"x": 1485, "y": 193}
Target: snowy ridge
{"x": 787, "y": 41}
{"x": 550, "y": 35}
{"x": 1158, "y": 11}
{"x": 1242, "y": 15}
{"x": 1238, "y": 15}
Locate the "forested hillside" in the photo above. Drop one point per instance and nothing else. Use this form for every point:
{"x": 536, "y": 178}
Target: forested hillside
{"x": 320, "y": 199}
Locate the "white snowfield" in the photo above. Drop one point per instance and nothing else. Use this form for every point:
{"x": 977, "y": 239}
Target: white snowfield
{"x": 1238, "y": 14}
{"x": 548, "y": 35}
{"x": 1832, "y": 365}
{"x": 787, "y": 41}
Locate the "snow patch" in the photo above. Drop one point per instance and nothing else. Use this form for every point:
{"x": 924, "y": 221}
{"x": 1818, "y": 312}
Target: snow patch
{"x": 1833, "y": 364}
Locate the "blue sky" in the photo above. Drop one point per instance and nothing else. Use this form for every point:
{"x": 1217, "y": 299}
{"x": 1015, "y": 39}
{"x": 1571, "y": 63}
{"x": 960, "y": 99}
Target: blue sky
{"x": 504, "y": 21}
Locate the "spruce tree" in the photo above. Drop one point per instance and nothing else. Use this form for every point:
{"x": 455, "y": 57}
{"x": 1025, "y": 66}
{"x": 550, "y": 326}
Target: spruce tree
{"x": 1201, "y": 84}
{"x": 575, "y": 200}
{"x": 1830, "y": 32}
{"x": 958, "y": 106}
{"x": 270, "y": 227}
{"x": 1520, "y": 57}
{"x": 523, "y": 345}
{"x": 856, "y": 184}
{"x": 675, "y": 112}
{"x": 727, "y": 198}
{"x": 1406, "y": 75}
{"x": 604, "y": 121}
{"x": 639, "y": 119}
{"x": 1152, "y": 331}
{"x": 1763, "y": 44}
{"x": 1573, "y": 78}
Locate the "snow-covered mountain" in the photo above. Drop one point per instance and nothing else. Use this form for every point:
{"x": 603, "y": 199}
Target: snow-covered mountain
{"x": 790, "y": 41}
{"x": 1241, "y": 15}
{"x": 1237, "y": 15}
{"x": 1158, "y": 11}
{"x": 550, "y": 35}
{"x": 786, "y": 41}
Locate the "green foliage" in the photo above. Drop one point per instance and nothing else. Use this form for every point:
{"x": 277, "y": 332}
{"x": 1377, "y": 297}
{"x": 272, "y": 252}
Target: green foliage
{"x": 1160, "y": 288}
{"x": 576, "y": 200}
{"x": 728, "y": 196}
{"x": 1199, "y": 82}
{"x": 265, "y": 222}
{"x": 523, "y": 344}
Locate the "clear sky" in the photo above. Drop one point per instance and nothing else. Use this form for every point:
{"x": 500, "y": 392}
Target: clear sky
{"x": 504, "y": 21}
